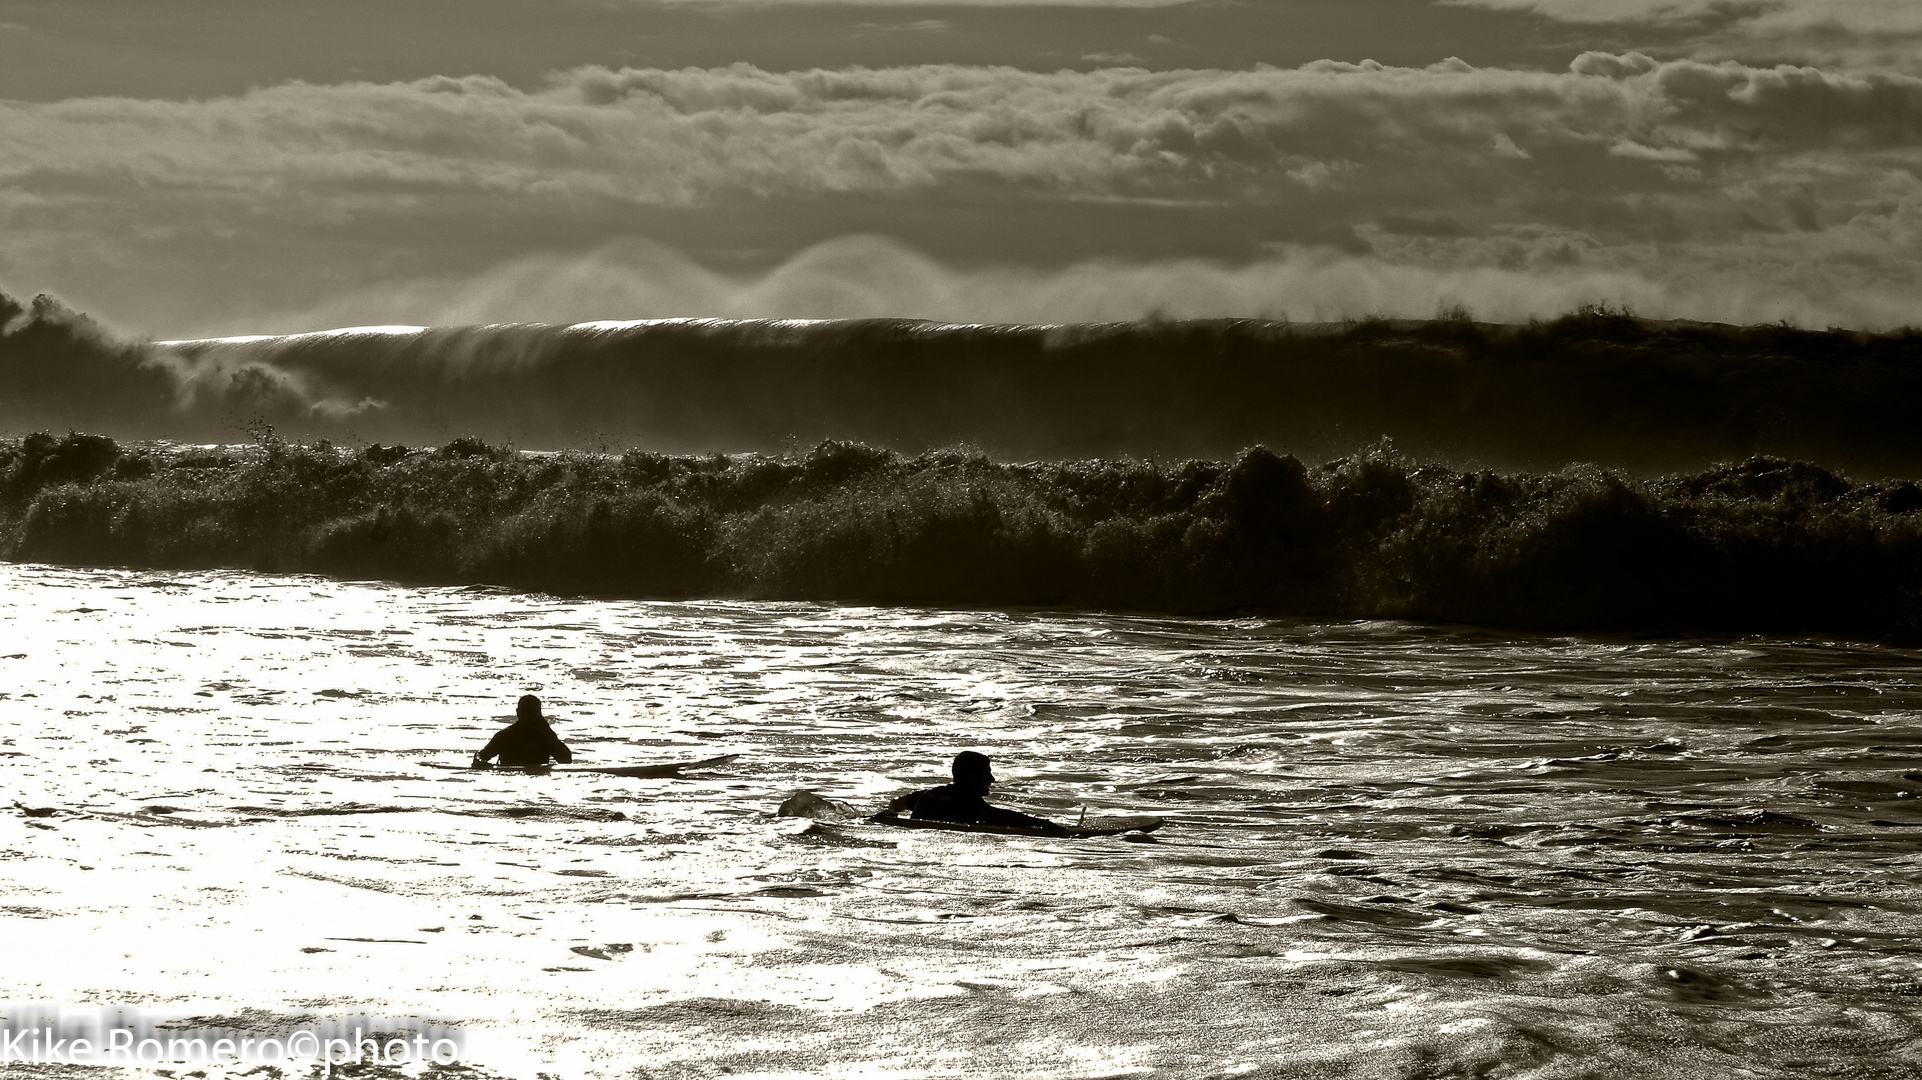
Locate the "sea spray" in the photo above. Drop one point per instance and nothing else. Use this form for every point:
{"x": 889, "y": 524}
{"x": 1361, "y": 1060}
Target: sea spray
{"x": 1766, "y": 544}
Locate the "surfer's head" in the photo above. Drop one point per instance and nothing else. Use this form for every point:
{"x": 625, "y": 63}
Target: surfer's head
{"x": 971, "y": 772}
{"x": 529, "y": 708}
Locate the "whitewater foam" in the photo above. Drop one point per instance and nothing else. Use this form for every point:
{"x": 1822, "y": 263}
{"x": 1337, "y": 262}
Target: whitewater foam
{"x": 1764, "y": 545}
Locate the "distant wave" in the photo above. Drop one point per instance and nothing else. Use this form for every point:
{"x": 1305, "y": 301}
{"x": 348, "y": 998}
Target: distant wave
{"x": 1766, "y": 545}
{"x": 1591, "y": 387}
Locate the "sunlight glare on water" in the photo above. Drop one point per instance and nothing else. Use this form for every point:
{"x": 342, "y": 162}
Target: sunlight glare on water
{"x": 1393, "y": 850}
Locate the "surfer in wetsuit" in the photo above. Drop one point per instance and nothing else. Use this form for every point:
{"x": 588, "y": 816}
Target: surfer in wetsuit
{"x": 964, "y": 800}
{"x": 528, "y": 741}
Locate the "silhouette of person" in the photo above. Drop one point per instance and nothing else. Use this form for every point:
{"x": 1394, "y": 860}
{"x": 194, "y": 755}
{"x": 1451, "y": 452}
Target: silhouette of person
{"x": 965, "y": 800}
{"x": 526, "y": 742}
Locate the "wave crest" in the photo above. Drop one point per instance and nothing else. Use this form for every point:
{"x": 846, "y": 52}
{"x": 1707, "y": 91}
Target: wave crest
{"x": 1595, "y": 386}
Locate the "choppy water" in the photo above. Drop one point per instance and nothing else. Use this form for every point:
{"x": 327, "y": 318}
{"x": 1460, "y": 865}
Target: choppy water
{"x": 1394, "y": 850}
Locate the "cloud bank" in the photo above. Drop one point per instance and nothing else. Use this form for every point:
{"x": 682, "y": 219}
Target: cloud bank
{"x": 701, "y": 136}
{"x": 1729, "y": 187}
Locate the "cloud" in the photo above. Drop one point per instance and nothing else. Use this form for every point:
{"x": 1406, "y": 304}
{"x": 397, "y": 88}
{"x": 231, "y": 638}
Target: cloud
{"x": 1794, "y": 181}
{"x": 1860, "y": 33}
{"x": 696, "y": 136}
{"x": 1860, "y": 15}
{"x": 1853, "y": 16}
{"x": 1615, "y": 11}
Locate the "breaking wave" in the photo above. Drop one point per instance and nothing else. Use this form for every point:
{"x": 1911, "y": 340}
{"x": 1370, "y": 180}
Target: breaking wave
{"x": 1594, "y": 387}
{"x": 1766, "y": 545}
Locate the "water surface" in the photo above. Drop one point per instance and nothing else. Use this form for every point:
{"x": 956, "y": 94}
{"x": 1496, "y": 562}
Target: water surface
{"x": 1393, "y": 851}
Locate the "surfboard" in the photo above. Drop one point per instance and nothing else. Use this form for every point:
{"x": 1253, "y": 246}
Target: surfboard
{"x": 1114, "y": 826}
{"x": 632, "y": 772}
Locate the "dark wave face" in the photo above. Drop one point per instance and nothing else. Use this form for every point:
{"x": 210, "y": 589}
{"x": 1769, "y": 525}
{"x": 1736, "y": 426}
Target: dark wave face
{"x": 1765, "y": 545}
{"x": 1594, "y": 387}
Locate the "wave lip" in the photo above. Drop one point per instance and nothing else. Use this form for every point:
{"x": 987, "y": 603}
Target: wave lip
{"x": 338, "y": 332}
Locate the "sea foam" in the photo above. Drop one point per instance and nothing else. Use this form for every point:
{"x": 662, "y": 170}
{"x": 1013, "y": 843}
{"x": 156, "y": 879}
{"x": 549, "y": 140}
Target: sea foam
{"x": 1767, "y": 544}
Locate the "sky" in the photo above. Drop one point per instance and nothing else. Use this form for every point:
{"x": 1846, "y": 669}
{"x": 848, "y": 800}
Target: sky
{"x": 186, "y": 168}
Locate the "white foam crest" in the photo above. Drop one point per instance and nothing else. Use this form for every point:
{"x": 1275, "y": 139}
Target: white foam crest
{"x": 339, "y": 332}
{"x": 607, "y": 326}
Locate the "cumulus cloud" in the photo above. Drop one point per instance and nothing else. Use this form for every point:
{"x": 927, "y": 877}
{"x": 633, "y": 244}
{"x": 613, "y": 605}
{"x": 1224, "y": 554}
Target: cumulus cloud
{"x": 697, "y": 135}
{"x": 1786, "y": 178}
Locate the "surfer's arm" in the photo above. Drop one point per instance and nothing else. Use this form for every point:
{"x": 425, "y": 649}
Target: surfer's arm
{"x": 1015, "y": 819}
{"x": 900, "y": 804}
{"x": 557, "y": 749}
{"x": 493, "y": 748}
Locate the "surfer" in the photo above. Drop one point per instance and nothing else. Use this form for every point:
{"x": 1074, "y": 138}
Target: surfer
{"x": 965, "y": 800}
{"x": 526, "y": 742}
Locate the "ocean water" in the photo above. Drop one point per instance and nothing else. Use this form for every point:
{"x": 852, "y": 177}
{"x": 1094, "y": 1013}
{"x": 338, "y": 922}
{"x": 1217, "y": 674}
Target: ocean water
{"x": 1392, "y": 850}
{"x": 1648, "y": 396}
